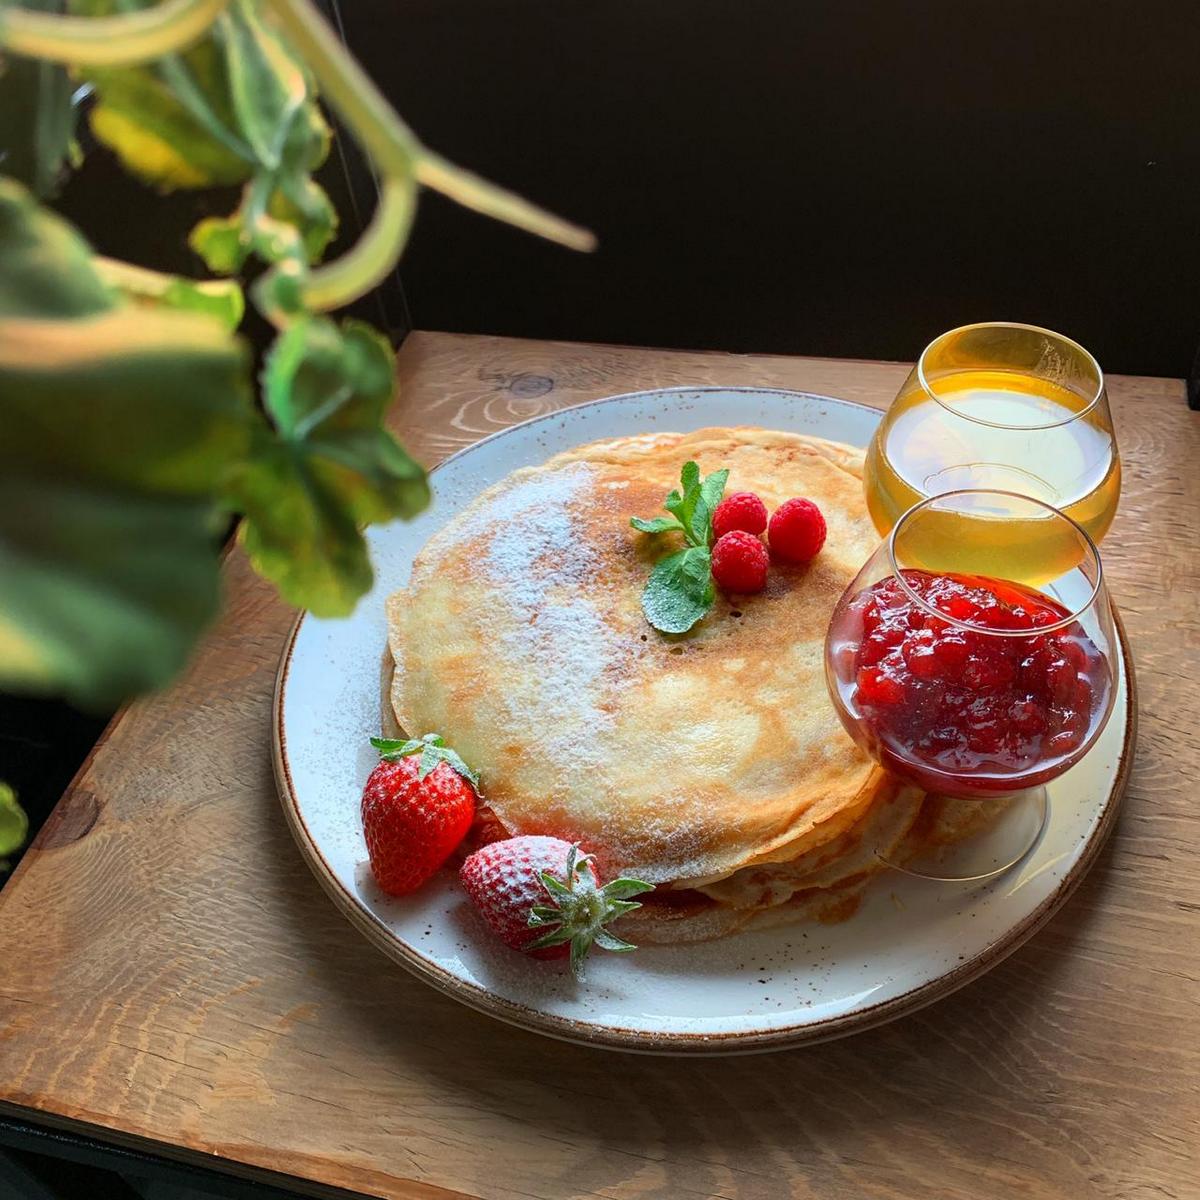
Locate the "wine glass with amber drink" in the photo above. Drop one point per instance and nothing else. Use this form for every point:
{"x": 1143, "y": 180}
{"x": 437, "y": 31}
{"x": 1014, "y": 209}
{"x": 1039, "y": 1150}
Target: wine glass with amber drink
{"x": 1000, "y": 406}
{"x": 974, "y": 672}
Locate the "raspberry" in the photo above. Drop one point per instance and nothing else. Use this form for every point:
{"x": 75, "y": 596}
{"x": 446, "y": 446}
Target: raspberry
{"x": 797, "y": 531}
{"x": 742, "y": 510}
{"x": 739, "y": 563}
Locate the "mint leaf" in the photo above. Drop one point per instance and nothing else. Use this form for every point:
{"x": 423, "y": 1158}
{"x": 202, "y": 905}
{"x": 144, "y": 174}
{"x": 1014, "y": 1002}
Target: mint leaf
{"x": 655, "y": 524}
{"x": 699, "y": 521}
{"x": 674, "y": 504}
{"x": 713, "y": 488}
{"x": 689, "y": 507}
{"x": 680, "y": 590}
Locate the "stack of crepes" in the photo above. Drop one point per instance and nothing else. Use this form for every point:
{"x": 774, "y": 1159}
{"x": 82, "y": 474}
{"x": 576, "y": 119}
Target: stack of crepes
{"x": 712, "y": 764}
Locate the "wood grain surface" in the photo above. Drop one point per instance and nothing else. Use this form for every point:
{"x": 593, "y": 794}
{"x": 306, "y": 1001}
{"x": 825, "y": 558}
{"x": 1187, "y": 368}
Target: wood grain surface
{"x": 170, "y": 971}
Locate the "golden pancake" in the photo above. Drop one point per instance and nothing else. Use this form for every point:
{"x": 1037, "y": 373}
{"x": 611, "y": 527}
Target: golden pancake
{"x": 825, "y": 883}
{"x": 521, "y": 639}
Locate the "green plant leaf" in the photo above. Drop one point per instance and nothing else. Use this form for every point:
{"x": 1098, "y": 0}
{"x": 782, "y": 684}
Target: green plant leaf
{"x": 680, "y": 590}
{"x": 284, "y": 216}
{"x": 610, "y": 941}
{"x": 222, "y": 243}
{"x": 158, "y": 136}
{"x": 656, "y": 524}
{"x": 37, "y": 118}
{"x": 119, "y": 426}
{"x": 220, "y": 299}
{"x": 304, "y": 203}
{"x": 713, "y": 488}
{"x": 689, "y": 506}
{"x": 14, "y": 824}
{"x": 328, "y": 468}
{"x": 266, "y": 86}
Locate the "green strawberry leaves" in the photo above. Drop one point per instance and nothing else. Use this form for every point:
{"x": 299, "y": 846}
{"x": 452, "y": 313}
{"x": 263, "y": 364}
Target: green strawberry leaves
{"x": 579, "y": 909}
{"x": 432, "y": 749}
{"x": 680, "y": 590}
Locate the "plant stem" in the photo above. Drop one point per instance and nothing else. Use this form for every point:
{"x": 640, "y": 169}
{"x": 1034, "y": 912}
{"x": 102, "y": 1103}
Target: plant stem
{"x": 369, "y": 261}
{"x": 391, "y": 144}
{"x": 121, "y": 40}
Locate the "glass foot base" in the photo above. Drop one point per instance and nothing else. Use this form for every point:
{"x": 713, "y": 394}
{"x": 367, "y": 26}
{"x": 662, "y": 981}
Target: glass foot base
{"x": 1009, "y": 829}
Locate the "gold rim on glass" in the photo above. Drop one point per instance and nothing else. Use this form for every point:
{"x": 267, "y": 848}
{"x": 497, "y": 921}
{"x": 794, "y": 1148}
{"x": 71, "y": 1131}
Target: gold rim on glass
{"x": 1086, "y": 354}
{"x": 1088, "y": 545}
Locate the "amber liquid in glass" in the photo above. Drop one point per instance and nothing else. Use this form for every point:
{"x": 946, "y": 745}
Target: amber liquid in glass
{"x": 999, "y": 430}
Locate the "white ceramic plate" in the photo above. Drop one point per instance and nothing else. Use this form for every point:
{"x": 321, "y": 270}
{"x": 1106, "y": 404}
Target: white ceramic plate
{"x": 910, "y": 943}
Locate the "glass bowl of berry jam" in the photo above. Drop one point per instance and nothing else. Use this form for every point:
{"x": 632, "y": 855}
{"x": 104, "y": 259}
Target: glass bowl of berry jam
{"x": 975, "y": 685}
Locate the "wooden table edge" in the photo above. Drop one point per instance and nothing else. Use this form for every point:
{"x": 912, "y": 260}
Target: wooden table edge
{"x": 411, "y": 1189}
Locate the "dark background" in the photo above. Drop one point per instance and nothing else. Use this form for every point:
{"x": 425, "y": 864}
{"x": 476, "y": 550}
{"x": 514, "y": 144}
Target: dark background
{"x": 843, "y": 177}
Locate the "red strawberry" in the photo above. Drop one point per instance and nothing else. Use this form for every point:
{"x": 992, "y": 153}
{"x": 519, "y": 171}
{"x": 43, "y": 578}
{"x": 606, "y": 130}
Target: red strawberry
{"x": 415, "y": 812}
{"x": 541, "y": 896}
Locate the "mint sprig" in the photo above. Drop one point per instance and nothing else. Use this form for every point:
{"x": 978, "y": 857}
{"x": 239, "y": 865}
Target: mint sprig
{"x": 432, "y": 749}
{"x": 680, "y": 590}
{"x": 656, "y": 524}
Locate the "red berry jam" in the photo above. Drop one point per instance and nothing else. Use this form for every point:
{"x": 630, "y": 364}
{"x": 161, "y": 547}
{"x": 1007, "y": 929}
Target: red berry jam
{"x": 960, "y": 710}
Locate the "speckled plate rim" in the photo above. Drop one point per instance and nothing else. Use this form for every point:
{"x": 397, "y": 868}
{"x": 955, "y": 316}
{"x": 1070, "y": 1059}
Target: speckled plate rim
{"x": 680, "y": 1043}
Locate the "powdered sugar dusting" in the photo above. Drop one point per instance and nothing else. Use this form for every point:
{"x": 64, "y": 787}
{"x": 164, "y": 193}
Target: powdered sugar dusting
{"x": 540, "y": 501}
{"x": 543, "y": 570}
